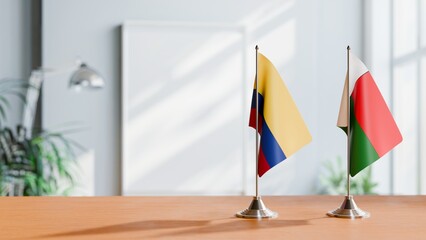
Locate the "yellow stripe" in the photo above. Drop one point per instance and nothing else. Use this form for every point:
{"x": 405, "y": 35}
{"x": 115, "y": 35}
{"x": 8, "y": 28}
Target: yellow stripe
{"x": 279, "y": 110}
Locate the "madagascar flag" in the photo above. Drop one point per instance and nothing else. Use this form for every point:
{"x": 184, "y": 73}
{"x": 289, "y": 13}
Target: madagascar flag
{"x": 281, "y": 127}
{"x": 373, "y": 131}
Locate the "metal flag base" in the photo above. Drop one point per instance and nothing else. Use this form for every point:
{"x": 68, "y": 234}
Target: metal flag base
{"x": 348, "y": 209}
{"x": 257, "y": 209}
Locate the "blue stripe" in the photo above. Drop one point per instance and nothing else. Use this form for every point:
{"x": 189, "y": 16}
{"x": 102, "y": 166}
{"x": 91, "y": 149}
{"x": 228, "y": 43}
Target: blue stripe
{"x": 272, "y": 151}
{"x": 253, "y": 102}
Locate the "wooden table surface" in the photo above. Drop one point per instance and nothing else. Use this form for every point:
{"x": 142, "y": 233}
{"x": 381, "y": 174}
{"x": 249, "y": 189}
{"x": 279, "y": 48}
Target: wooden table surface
{"x": 301, "y": 217}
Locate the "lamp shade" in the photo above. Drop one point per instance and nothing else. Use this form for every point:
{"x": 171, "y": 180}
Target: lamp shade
{"x": 86, "y": 77}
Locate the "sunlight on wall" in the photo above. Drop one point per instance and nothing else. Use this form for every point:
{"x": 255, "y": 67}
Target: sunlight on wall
{"x": 266, "y": 12}
{"x": 214, "y": 45}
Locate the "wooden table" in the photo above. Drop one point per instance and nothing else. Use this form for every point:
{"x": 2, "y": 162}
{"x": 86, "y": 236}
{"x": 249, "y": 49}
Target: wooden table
{"x": 207, "y": 218}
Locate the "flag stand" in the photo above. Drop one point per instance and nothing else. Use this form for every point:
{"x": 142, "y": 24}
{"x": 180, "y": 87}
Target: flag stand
{"x": 257, "y": 208}
{"x": 348, "y": 209}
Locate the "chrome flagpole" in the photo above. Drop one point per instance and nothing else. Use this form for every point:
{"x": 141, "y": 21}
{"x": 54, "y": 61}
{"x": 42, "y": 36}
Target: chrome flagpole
{"x": 257, "y": 208}
{"x": 257, "y": 127}
{"x": 348, "y": 209}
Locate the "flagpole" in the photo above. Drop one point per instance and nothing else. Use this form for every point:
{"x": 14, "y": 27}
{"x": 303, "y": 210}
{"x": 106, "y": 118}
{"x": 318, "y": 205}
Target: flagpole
{"x": 257, "y": 208}
{"x": 257, "y": 129}
{"x": 348, "y": 180}
{"x": 348, "y": 209}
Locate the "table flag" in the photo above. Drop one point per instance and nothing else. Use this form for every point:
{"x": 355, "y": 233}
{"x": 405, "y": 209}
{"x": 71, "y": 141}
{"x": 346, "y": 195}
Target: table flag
{"x": 281, "y": 126}
{"x": 373, "y": 131}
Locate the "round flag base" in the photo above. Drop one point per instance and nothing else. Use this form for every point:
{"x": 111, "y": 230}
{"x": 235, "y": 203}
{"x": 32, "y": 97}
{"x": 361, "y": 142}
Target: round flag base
{"x": 348, "y": 209}
{"x": 257, "y": 209}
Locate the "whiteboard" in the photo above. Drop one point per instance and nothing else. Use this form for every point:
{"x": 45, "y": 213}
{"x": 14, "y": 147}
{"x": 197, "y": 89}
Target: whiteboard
{"x": 184, "y": 109}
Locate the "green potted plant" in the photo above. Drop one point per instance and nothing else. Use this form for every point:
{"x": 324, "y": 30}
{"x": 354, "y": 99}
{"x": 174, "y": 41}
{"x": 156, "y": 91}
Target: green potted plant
{"x": 41, "y": 164}
{"x": 333, "y": 180}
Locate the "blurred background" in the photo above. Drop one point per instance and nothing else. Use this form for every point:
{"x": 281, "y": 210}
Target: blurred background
{"x": 172, "y": 115}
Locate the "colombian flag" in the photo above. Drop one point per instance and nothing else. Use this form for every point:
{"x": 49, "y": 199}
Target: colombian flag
{"x": 281, "y": 126}
{"x": 373, "y": 131}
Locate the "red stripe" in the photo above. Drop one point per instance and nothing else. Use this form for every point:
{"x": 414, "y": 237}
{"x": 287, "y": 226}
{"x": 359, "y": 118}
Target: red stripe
{"x": 373, "y": 115}
{"x": 252, "y": 120}
{"x": 263, "y": 165}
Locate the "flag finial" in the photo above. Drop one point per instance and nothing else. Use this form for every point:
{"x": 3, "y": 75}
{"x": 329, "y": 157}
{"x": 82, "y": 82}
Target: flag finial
{"x": 349, "y": 48}
{"x": 257, "y": 47}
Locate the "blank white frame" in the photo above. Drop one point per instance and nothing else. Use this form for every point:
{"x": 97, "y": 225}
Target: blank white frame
{"x": 132, "y": 25}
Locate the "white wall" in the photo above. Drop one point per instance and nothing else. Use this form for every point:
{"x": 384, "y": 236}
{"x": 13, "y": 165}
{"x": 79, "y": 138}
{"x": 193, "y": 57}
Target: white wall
{"x": 15, "y": 47}
{"x": 305, "y": 39}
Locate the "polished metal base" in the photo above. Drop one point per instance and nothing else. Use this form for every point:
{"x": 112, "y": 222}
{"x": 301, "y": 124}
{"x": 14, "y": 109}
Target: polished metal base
{"x": 257, "y": 209}
{"x": 348, "y": 209}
